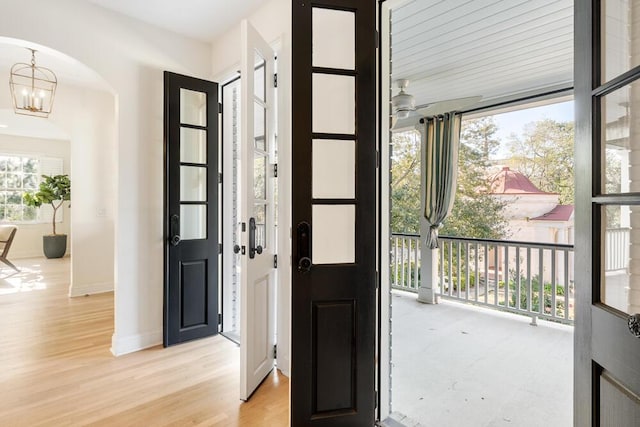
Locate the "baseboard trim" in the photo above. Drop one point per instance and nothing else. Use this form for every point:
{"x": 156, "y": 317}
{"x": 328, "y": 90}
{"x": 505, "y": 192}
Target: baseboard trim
{"x": 83, "y": 289}
{"x": 133, "y": 343}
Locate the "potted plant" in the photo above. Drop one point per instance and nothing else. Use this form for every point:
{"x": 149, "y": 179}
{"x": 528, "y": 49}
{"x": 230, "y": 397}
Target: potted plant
{"x": 53, "y": 190}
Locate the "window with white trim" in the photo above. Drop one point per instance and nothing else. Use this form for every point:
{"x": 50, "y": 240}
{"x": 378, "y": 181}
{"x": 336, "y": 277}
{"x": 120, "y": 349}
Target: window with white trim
{"x": 20, "y": 173}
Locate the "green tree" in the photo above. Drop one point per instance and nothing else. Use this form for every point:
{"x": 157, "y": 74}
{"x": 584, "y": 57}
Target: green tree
{"x": 405, "y": 182}
{"x": 544, "y": 154}
{"x": 475, "y": 212}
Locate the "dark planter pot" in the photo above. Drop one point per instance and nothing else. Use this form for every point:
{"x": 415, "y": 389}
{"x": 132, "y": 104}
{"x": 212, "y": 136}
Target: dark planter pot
{"x": 54, "y": 246}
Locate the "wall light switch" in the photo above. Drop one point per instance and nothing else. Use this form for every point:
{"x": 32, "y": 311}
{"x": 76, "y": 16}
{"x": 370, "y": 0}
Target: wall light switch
{"x": 101, "y": 212}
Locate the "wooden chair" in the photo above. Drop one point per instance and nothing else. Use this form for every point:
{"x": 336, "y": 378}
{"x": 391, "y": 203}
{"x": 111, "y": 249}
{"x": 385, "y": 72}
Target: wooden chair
{"x": 7, "y": 233}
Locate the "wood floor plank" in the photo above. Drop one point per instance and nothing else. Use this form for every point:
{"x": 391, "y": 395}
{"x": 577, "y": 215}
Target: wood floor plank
{"x": 56, "y": 368}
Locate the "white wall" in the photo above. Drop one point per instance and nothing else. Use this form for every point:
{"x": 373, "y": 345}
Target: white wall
{"x": 131, "y": 56}
{"x": 89, "y": 118}
{"x": 28, "y": 240}
{"x": 273, "y": 22}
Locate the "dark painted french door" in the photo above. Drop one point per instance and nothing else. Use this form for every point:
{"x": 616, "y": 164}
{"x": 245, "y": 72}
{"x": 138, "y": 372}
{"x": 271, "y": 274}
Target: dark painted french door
{"x": 333, "y": 213}
{"x": 191, "y": 208}
{"x": 607, "y": 85}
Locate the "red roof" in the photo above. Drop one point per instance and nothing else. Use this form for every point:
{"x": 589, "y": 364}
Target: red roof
{"x": 513, "y": 182}
{"x": 559, "y": 213}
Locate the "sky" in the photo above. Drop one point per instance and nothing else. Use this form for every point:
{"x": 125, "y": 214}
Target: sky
{"x": 515, "y": 121}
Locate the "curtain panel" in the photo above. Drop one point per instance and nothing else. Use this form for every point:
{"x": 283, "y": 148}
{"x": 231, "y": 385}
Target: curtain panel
{"x": 442, "y": 134}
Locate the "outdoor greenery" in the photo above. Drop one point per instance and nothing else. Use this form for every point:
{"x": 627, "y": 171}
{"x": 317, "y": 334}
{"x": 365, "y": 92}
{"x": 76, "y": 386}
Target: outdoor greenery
{"x": 53, "y": 190}
{"x": 544, "y": 154}
{"x": 405, "y": 182}
{"x": 17, "y": 174}
{"x": 475, "y": 213}
{"x": 535, "y": 295}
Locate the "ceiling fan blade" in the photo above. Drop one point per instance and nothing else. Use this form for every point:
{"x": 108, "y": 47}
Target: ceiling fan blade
{"x": 440, "y": 107}
{"x": 407, "y": 123}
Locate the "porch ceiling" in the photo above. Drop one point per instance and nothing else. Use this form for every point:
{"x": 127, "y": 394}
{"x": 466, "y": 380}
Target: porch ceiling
{"x": 494, "y": 48}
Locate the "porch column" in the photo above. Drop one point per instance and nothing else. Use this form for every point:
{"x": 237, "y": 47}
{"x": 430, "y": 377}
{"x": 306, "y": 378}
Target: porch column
{"x": 429, "y": 286}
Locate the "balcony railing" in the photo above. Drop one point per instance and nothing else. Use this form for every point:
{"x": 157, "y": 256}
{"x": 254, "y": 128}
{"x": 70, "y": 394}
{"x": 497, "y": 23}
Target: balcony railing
{"x": 529, "y": 278}
{"x": 617, "y": 249}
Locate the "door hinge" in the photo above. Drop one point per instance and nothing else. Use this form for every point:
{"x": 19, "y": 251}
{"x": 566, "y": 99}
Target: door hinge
{"x": 219, "y": 107}
{"x": 275, "y": 351}
{"x": 377, "y": 159}
{"x": 275, "y": 80}
{"x": 219, "y": 248}
{"x": 275, "y": 261}
{"x": 219, "y": 318}
{"x": 376, "y": 397}
{"x": 219, "y": 177}
{"x": 377, "y": 39}
{"x": 275, "y": 170}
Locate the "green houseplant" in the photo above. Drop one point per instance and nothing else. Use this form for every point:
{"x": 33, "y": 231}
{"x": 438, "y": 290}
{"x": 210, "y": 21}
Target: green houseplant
{"x": 53, "y": 190}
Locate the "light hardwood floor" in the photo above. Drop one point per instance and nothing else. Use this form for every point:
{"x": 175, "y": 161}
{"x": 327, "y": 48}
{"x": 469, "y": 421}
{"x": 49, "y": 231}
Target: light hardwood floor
{"x": 56, "y": 368}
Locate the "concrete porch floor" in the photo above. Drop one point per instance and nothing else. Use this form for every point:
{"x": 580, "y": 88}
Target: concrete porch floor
{"x": 457, "y": 365}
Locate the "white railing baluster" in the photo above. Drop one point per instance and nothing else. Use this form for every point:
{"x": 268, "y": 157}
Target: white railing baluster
{"x": 506, "y": 276}
{"x": 416, "y": 271}
{"x": 496, "y": 277}
{"x": 517, "y": 280}
{"x": 554, "y": 285}
{"x": 476, "y": 274}
{"x": 486, "y": 274}
{"x": 541, "y": 291}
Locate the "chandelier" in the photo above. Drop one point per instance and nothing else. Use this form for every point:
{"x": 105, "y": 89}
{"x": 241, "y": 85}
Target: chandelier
{"x": 32, "y": 88}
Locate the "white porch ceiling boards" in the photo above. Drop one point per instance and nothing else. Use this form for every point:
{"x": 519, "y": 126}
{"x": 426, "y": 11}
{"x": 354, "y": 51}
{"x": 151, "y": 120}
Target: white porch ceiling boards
{"x": 199, "y": 19}
{"x": 494, "y": 48}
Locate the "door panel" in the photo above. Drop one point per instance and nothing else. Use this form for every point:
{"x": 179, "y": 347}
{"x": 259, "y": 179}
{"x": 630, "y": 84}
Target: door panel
{"x": 607, "y": 380}
{"x": 334, "y": 213}
{"x": 191, "y": 211}
{"x": 257, "y": 291}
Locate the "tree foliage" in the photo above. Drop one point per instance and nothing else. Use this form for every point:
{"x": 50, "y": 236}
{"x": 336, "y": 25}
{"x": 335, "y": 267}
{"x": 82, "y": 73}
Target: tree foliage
{"x": 405, "y": 182}
{"x": 544, "y": 154}
{"x": 475, "y": 213}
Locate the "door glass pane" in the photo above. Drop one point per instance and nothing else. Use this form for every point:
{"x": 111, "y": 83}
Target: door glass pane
{"x": 193, "y": 145}
{"x": 259, "y": 124}
{"x": 260, "y": 214}
{"x": 193, "y": 222}
{"x": 333, "y": 234}
{"x": 334, "y": 104}
{"x": 620, "y": 42}
{"x": 260, "y": 177}
{"x": 621, "y": 257}
{"x": 193, "y": 184}
{"x": 334, "y": 38}
{"x": 334, "y": 169}
{"x": 193, "y": 107}
{"x": 621, "y": 136}
{"x": 259, "y": 78}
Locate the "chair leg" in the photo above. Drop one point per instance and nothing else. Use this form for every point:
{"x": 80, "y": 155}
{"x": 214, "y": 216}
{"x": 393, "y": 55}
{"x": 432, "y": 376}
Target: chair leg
{"x": 9, "y": 263}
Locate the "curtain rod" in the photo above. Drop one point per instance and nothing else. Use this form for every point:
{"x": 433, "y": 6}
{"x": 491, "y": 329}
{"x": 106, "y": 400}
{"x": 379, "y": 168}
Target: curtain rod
{"x": 517, "y": 100}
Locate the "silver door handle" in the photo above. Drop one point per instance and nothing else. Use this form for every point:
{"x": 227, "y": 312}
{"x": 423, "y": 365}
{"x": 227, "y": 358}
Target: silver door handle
{"x": 634, "y": 324}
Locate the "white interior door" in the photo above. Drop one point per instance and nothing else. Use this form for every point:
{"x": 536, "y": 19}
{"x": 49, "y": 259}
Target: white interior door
{"x": 257, "y": 211}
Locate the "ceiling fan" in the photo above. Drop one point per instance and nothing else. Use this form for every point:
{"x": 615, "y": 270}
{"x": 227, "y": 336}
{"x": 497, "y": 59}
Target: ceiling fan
{"x": 405, "y": 112}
